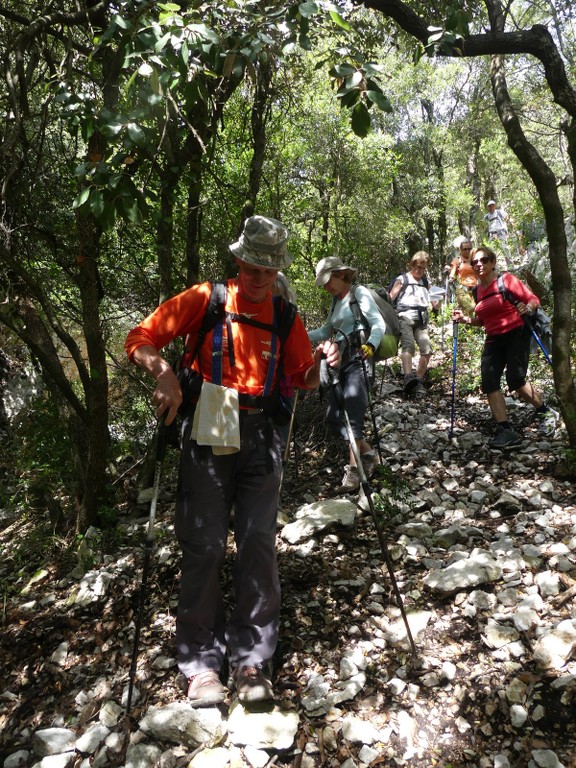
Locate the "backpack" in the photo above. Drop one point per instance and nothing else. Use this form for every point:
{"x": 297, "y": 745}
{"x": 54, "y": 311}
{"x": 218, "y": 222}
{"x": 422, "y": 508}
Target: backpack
{"x": 389, "y": 343}
{"x": 538, "y": 321}
{"x": 271, "y": 401}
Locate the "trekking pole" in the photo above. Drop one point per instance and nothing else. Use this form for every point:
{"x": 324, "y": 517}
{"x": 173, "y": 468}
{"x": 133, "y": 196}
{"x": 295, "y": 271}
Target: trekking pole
{"x": 370, "y": 404}
{"x": 384, "y": 371}
{"x": 446, "y": 295}
{"x": 537, "y": 338}
{"x": 160, "y": 453}
{"x": 291, "y": 427}
{"x": 539, "y": 342}
{"x": 339, "y": 395}
{"x": 454, "y": 354}
{"x": 371, "y": 407}
{"x": 286, "y": 453}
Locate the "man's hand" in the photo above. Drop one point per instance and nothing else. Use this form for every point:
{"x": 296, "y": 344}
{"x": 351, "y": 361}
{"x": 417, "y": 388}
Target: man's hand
{"x": 326, "y": 350}
{"x": 367, "y": 351}
{"x": 167, "y": 396}
{"x": 331, "y": 351}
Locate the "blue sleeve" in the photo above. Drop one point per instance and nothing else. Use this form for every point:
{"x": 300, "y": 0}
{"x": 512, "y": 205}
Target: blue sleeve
{"x": 322, "y": 333}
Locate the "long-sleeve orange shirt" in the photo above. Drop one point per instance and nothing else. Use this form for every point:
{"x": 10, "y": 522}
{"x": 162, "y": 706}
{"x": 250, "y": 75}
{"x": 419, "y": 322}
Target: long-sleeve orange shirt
{"x": 183, "y": 314}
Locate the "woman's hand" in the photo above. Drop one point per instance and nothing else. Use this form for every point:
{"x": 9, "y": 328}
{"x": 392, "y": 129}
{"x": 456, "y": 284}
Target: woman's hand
{"x": 525, "y": 309}
{"x": 367, "y": 351}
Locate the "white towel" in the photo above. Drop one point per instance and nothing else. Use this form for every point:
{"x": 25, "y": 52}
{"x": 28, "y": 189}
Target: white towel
{"x": 217, "y": 419}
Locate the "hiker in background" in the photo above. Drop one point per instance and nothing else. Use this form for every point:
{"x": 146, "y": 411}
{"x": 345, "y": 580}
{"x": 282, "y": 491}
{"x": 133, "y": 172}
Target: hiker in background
{"x": 462, "y": 275}
{"x": 496, "y": 220}
{"x": 237, "y": 465}
{"x": 507, "y": 346}
{"x": 412, "y": 298}
{"x": 337, "y": 278}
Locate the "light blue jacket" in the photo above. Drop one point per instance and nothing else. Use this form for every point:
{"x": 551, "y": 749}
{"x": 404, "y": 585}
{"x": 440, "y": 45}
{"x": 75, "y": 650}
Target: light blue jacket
{"x": 342, "y": 319}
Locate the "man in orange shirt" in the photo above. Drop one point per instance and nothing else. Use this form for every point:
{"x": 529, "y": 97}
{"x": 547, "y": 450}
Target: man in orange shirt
{"x": 229, "y": 462}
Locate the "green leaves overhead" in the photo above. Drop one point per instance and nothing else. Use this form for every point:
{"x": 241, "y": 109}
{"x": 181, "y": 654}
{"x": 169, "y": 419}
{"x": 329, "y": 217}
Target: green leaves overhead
{"x": 358, "y": 90}
{"x": 174, "y": 65}
{"x": 446, "y": 40}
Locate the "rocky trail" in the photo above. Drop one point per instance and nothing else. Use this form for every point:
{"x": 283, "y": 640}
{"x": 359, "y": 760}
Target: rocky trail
{"x": 484, "y": 551}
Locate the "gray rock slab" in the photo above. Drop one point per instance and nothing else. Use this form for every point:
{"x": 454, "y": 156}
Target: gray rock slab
{"x": 179, "y": 723}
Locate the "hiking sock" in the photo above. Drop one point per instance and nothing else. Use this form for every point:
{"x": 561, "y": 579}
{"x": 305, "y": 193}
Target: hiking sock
{"x": 543, "y": 408}
{"x": 504, "y": 424}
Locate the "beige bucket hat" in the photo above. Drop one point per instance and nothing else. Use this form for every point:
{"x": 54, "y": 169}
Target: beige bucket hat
{"x": 330, "y": 264}
{"x": 263, "y": 243}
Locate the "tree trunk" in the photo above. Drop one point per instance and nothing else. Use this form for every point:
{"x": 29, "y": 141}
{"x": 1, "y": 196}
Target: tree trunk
{"x": 545, "y": 183}
{"x": 97, "y": 437}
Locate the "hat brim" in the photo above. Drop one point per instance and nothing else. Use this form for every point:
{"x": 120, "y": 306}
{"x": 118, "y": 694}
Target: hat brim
{"x": 324, "y": 276}
{"x": 259, "y": 259}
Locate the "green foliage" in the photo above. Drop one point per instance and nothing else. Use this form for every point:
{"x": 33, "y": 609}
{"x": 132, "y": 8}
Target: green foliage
{"x": 446, "y": 40}
{"x": 358, "y": 88}
{"x": 43, "y": 463}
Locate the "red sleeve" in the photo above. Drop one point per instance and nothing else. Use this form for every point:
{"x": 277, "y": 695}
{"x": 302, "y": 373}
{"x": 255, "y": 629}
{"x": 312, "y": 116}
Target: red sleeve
{"x": 519, "y": 290}
{"x": 175, "y": 317}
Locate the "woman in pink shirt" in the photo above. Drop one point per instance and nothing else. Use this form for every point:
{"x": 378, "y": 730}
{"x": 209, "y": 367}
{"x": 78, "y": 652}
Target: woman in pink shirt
{"x": 507, "y": 345}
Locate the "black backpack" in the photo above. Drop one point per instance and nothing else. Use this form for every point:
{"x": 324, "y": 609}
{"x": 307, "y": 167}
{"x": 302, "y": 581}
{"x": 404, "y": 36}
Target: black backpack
{"x": 539, "y": 321}
{"x": 272, "y": 402}
{"x": 404, "y": 278}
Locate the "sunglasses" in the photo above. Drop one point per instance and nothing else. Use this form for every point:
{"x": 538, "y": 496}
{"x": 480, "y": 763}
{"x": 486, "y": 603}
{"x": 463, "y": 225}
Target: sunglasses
{"x": 465, "y": 248}
{"x": 481, "y": 260}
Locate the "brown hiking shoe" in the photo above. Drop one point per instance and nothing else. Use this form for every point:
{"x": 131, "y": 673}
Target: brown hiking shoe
{"x": 252, "y": 685}
{"x": 205, "y": 689}
{"x": 351, "y": 479}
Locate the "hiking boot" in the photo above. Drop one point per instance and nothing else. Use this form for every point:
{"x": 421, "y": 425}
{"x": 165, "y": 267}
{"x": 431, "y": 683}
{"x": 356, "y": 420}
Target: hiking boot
{"x": 505, "y": 438}
{"x": 369, "y": 461}
{"x": 205, "y": 689}
{"x": 351, "y": 479}
{"x": 419, "y": 390}
{"x": 548, "y": 421}
{"x": 410, "y": 382}
{"x": 252, "y": 685}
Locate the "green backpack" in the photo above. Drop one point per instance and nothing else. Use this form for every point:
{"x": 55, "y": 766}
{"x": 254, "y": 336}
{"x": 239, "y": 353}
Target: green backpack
{"x": 389, "y": 343}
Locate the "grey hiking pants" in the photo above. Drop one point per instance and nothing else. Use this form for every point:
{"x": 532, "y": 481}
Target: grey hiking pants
{"x": 209, "y": 487}
{"x": 353, "y": 383}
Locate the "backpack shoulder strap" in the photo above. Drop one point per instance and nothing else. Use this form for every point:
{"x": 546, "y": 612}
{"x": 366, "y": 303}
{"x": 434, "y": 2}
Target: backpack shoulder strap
{"x": 214, "y": 312}
{"x": 356, "y": 308}
{"x": 507, "y": 295}
{"x": 506, "y": 292}
{"x": 404, "y": 283}
{"x": 284, "y": 315}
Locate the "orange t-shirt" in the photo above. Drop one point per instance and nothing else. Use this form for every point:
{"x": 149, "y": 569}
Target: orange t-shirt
{"x": 464, "y": 273}
{"x": 183, "y": 314}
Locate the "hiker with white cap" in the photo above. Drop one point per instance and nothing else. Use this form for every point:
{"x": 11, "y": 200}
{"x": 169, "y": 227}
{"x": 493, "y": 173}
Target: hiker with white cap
{"x": 357, "y": 347}
{"x": 496, "y": 220}
{"x": 236, "y": 466}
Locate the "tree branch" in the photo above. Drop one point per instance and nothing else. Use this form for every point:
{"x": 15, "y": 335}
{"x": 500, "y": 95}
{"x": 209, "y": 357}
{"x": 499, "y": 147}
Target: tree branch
{"x": 536, "y": 41}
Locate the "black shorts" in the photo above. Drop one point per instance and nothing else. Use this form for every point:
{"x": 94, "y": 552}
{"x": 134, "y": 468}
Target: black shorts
{"x": 510, "y": 351}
